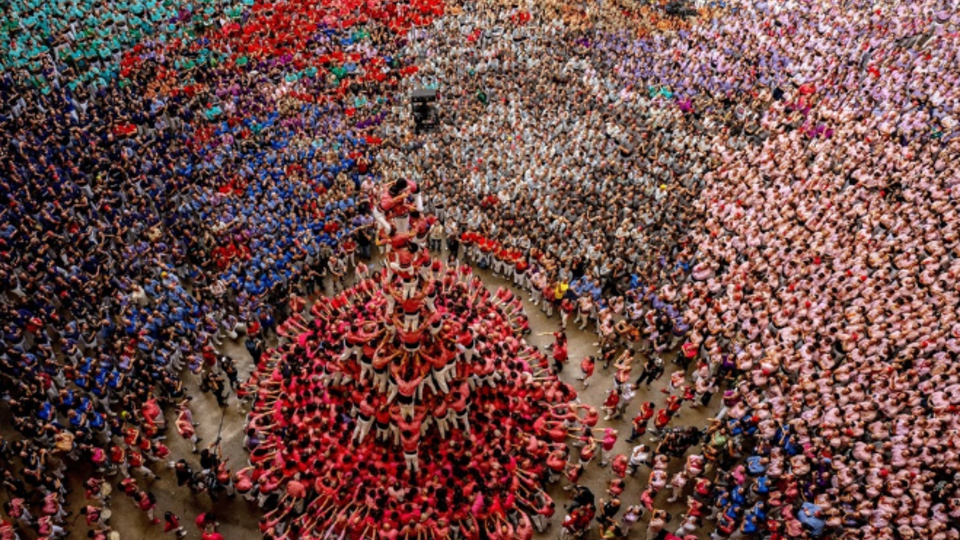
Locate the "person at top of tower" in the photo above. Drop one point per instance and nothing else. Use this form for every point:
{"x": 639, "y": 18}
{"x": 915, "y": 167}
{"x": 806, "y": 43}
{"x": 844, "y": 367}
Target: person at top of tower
{"x": 394, "y": 206}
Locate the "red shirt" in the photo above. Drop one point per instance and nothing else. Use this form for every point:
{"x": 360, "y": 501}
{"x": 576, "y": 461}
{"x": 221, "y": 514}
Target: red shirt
{"x": 612, "y": 400}
{"x": 145, "y": 503}
{"x": 171, "y": 523}
{"x": 547, "y": 511}
{"x": 587, "y": 366}
{"x": 410, "y": 305}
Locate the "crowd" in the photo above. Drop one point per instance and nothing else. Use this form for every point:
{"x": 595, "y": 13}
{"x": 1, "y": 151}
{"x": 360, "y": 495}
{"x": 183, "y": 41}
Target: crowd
{"x": 152, "y": 216}
{"x": 766, "y": 189}
{"x": 79, "y": 43}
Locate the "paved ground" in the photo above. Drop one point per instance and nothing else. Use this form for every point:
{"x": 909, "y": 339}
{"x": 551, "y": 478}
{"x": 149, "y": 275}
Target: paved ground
{"x": 238, "y": 519}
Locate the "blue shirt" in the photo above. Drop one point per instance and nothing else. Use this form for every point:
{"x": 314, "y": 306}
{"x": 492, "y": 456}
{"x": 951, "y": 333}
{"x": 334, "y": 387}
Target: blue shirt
{"x": 755, "y": 465}
{"x": 807, "y": 516}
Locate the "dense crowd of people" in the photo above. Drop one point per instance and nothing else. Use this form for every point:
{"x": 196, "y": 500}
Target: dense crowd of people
{"x": 151, "y": 216}
{"x": 765, "y": 190}
{"x": 79, "y": 43}
{"x": 768, "y": 191}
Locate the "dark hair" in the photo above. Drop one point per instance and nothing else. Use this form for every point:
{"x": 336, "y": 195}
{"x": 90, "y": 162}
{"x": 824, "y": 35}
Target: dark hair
{"x": 398, "y": 186}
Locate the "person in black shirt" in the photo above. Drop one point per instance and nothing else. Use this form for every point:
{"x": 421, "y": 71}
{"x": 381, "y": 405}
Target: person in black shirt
{"x": 15, "y": 485}
{"x": 453, "y": 245}
{"x": 364, "y": 241}
{"x": 209, "y": 460}
{"x": 229, "y": 368}
{"x": 255, "y": 348}
{"x": 652, "y": 371}
{"x": 608, "y": 510}
{"x": 183, "y": 472}
{"x": 582, "y": 496}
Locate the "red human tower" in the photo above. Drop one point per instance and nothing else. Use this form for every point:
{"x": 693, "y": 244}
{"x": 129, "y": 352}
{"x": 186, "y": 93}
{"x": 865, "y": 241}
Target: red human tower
{"x": 412, "y": 386}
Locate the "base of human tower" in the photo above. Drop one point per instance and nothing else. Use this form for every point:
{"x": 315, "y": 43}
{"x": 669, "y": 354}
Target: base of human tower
{"x": 409, "y": 406}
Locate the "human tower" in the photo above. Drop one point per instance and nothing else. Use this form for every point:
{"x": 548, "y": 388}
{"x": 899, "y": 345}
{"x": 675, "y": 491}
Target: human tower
{"x": 408, "y": 405}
